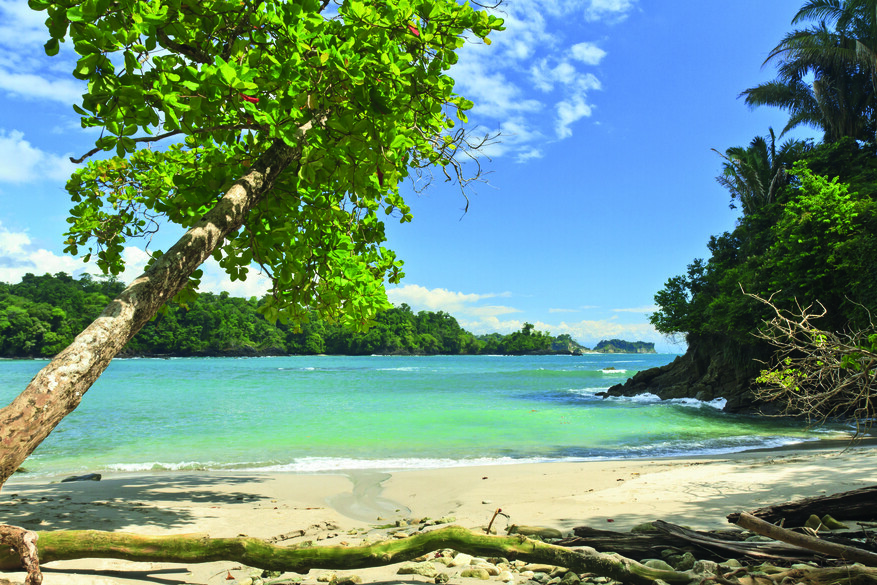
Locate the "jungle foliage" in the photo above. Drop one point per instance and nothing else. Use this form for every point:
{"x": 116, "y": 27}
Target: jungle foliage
{"x": 41, "y": 315}
{"x": 806, "y": 242}
{"x": 815, "y": 241}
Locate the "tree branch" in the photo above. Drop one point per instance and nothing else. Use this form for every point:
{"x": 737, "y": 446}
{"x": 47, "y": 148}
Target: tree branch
{"x": 24, "y": 543}
{"x": 172, "y": 133}
{"x": 847, "y": 553}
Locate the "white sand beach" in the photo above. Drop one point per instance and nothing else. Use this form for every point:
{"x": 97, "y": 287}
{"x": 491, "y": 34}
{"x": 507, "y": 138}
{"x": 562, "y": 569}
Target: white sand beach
{"x": 346, "y": 507}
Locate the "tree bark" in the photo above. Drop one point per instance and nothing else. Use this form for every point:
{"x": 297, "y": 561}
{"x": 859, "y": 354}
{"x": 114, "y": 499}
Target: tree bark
{"x": 715, "y": 546}
{"x": 860, "y": 504}
{"x": 197, "y": 548}
{"x": 847, "y": 553}
{"x": 23, "y": 543}
{"x": 59, "y": 387}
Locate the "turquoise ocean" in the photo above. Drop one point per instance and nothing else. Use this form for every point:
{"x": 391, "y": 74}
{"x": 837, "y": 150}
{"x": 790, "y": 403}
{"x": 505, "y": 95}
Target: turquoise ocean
{"x": 321, "y": 413}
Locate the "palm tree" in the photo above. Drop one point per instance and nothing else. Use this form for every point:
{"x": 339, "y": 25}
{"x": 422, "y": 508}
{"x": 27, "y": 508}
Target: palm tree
{"x": 826, "y": 74}
{"x": 757, "y": 173}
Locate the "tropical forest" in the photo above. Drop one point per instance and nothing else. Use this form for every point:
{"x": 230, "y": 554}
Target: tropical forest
{"x": 793, "y": 288}
{"x": 41, "y": 315}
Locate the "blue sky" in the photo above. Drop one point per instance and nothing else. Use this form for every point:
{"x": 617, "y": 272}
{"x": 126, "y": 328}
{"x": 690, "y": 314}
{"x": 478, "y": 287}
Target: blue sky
{"x": 601, "y": 187}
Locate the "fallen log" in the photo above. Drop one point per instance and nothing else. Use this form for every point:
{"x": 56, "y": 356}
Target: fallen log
{"x": 860, "y": 504}
{"x": 253, "y": 552}
{"x": 717, "y": 546}
{"x": 846, "y": 553}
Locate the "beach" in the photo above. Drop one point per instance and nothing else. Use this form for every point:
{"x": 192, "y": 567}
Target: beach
{"x": 347, "y": 507}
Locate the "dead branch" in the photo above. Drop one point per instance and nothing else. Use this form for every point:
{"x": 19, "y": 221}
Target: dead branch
{"x": 24, "y": 543}
{"x": 817, "y": 373}
{"x": 847, "y": 553}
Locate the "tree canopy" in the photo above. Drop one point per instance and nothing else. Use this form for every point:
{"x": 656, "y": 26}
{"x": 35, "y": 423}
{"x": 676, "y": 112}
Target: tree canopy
{"x": 357, "y": 99}
{"x": 288, "y": 128}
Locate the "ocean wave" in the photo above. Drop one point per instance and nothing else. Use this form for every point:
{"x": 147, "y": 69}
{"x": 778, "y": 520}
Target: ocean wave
{"x": 161, "y": 466}
{"x": 666, "y": 448}
{"x": 648, "y": 398}
{"x": 323, "y": 464}
{"x": 717, "y": 446}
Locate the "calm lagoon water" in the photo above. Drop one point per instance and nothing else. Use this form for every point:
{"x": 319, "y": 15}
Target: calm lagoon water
{"x": 319, "y": 413}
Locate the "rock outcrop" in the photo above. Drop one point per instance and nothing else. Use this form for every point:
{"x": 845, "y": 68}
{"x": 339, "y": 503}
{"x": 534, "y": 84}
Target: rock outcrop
{"x": 713, "y": 367}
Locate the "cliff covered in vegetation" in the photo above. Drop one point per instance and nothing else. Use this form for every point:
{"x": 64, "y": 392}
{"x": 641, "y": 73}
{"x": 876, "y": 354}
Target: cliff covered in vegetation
{"x": 811, "y": 243}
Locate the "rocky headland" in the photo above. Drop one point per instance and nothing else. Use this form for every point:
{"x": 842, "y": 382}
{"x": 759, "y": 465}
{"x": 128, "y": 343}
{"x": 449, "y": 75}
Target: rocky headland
{"x": 713, "y": 367}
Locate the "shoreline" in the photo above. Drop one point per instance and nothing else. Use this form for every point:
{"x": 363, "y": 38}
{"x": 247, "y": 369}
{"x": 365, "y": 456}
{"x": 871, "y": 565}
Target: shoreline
{"x": 834, "y": 442}
{"x": 344, "y": 508}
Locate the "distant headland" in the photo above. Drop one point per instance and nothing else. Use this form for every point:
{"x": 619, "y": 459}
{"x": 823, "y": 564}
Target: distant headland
{"x": 621, "y": 346}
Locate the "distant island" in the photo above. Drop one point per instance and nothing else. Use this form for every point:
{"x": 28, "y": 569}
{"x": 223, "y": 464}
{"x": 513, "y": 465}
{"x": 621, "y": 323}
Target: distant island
{"x": 621, "y": 346}
{"x": 41, "y": 315}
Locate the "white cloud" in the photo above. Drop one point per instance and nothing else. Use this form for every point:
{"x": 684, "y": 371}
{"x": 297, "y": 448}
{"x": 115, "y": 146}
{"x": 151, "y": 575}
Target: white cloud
{"x": 482, "y": 319}
{"x": 495, "y": 96}
{"x": 20, "y": 25}
{"x": 587, "y": 53}
{"x": 440, "y": 299}
{"x": 533, "y": 71}
{"x": 530, "y": 154}
{"x": 135, "y": 262}
{"x": 21, "y": 162}
{"x": 25, "y": 70}
{"x": 545, "y": 76}
{"x": 65, "y": 91}
{"x": 216, "y": 280}
{"x": 612, "y": 10}
{"x": 18, "y": 257}
{"x": 588, "y": 333}
{"x": 569, "y": 111}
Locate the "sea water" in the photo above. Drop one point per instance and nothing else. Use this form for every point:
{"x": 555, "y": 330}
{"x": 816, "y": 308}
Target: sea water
{"x": 319, "y": 413}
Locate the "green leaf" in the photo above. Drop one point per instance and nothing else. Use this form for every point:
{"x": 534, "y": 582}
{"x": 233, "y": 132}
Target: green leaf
{"x": 52, "y": 47}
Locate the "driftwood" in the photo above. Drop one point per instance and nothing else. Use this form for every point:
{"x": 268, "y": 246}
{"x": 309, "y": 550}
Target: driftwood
{"x": 846, "y": 553}
{"x": 860, "y": 504}
{"x": 23, "y": 543}
{"x": 717, "y": 545}
{"x": 198, "y": 548}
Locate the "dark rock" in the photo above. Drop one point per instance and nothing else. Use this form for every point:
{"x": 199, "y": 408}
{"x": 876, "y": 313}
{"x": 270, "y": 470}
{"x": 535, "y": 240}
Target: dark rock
{"x": 713, "y": 367}
{"x": 86, "y": 477}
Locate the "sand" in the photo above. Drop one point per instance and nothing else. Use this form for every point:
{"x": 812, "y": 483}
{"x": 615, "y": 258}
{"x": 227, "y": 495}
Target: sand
{"x": 325, "y": 508}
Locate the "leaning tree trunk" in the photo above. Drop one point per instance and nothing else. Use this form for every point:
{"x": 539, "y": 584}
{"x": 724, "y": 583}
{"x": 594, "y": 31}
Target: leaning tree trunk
{"x": 58, "y": 388}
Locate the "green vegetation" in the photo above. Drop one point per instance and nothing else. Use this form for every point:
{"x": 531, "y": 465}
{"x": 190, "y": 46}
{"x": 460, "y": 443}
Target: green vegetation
{"x": 815, "y": 242}
{"x": 274, "y": 133}
{"x": 808, "y": 231}
{"x": 620, "y": 346}
{"x": 40, "y": 316}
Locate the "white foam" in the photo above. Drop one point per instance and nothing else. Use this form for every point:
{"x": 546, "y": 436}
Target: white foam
{"x": 318, "y": 464}
{"x": 649, "y": 398}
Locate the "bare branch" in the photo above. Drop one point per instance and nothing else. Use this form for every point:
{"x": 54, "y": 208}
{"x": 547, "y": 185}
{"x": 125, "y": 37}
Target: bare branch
{"x": 816, "y": 373}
